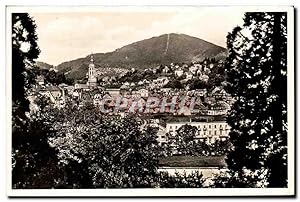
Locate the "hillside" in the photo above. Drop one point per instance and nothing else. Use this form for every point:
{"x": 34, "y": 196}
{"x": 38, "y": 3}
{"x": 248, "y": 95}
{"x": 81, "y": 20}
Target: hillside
{"x": 43, "y": 65}
{"x": 164, "y": 49}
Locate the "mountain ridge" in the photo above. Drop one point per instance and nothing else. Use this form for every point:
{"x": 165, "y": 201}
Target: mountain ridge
{"x": 147, "y": 53}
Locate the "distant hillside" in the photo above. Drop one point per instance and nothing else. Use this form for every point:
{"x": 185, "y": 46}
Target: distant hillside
{"x": 43, "y": 65}
{"x": 164, "y": 49}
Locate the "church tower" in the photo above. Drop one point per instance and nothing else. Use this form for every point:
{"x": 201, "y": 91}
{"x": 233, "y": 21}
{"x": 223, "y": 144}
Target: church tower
{"x": 92, "y": 80}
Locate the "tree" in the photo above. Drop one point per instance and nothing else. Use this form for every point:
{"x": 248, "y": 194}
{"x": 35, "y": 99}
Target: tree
{"x": 184, "y": 139}
{"x": 116, "y": 152}
{"x": 193, "y": 180}
{"x": 24, "y": 51}
{"x": 174, "y": 84}
{"x": 198, "y": 84}
{"x": 256, "y": 69}
{"x": 34, "y": 162}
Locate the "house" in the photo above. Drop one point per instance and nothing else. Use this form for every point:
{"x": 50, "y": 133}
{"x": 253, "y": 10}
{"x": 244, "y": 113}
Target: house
{"x": 219, "y": 108}
{"x": 161, "y": 81}
{"x": 204, "y": 77}
{"x": 70, "y": 89}
{"x": 199, "y": 72}
{"x": 76, "y": 93}
{"x": 200, "y": 92}
{"x": 143, "y": 92}
{"x": 161, "y": 135}
{"x": 55, "y": 94}
{"x": 209, "y": 99}
{"x": 189, "y": 75}
{"x": 40, "y": 80}
{"x": 81, "y": 86}
{"x": 166, "y": 69}
{"x": 193, "y": 69}
{"x": 106, "y": 79}
{"x": 63, "y": 85}
{"x": 178, "y": 72}
{"x": 114, "y": 92}
{"x": 97, "y": 101}
{"x": 218, "y": 93}
{"x": 125, "y": 85}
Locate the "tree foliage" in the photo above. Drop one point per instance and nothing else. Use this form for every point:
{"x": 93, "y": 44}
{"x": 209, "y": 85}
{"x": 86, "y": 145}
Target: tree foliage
{"x": 184, "y": 143}
{"x": 256, "y": 69}
{"x": 33, "y": 160}
{"x": 184, "y": 138}
{"x": 24, "y": 51}
{"x": 192, "y": 180}
{"x": 116, "y": 151}
{"x": 174, "y": 84}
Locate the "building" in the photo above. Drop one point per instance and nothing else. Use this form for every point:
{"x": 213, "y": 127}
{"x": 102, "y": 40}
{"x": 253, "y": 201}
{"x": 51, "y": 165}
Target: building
{"x": 193, "y": 69}
{"x": 114, "y": 92}
{"x": 179, "y": 72}
{"x": 201, "y": 92}
{"x": 218, "y": 108}
{"x": 161, "y": 81}
{"x": 55, "y": 94}
{"x": 204, "y": 77}
{"x": 97, "y": 99}
{"x": 40, "y": 80}
{"x": 189, "y": 75}
{"x": 166, "y": 69}
{"x": 161, "y": 135}
{"x": 207, "y": 131}
{"x": 92, "y": 79}
{"x": 143, "y": 92}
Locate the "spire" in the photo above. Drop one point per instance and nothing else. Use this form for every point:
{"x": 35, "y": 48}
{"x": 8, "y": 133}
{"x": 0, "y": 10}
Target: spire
{"x": 92, "y": 59}
{"x": 91, "y": 65}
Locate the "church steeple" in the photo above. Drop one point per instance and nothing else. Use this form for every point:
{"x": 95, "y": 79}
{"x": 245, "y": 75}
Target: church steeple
{"x": 92, "y": 59}
{"x": 92, "y": 80}
{"x": 91, "y": 65}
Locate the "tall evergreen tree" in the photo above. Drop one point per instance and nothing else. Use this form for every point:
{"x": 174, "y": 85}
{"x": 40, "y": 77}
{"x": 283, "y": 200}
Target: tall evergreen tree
{"x": 24, "y": 51}
{"x": 34, "y": 163}
{"x": 257, "y": 70}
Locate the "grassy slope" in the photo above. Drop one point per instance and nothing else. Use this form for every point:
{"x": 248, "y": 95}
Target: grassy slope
{"x": 191, "y": 161}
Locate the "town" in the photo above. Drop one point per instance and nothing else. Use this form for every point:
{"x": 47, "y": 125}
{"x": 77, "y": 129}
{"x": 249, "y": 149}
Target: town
{"x": 158, "y": 101}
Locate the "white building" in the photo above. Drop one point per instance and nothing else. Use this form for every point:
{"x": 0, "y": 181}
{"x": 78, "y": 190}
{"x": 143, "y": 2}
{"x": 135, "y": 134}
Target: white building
{"x": 179, "y": 72}
{"x": 92, "y": 79}
{"x": 161, "y": 81}
{"x": 207, "y": 131}
{"x": 97, "y": 99}
{"x": 143, "y": 92}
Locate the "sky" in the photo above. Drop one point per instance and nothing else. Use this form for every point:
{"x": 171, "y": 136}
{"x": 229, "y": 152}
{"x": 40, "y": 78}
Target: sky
{"x": 71, "y": 34}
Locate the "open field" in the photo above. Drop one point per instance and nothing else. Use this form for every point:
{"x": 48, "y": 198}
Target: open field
{"x": 192, "y": 161}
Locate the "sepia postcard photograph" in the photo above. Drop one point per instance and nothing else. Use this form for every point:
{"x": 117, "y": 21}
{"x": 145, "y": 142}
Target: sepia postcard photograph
{"x": 150, "y": 101}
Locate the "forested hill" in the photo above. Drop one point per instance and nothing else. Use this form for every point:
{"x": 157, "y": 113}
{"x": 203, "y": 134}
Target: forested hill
{"x": 164, "y": 49}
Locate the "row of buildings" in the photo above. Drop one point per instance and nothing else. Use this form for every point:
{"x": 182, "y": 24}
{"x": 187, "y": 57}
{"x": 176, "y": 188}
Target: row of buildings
{"x": 208, "y": 132}
{"x": 215, "y": 102}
